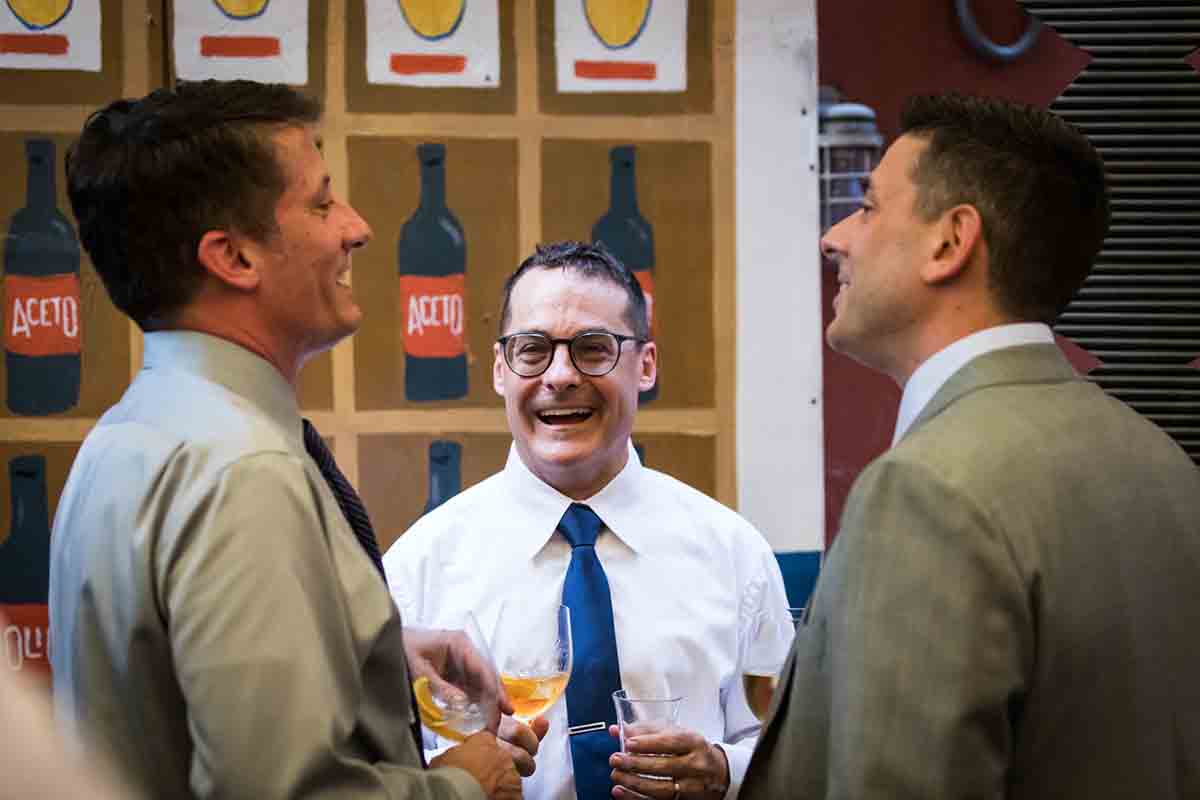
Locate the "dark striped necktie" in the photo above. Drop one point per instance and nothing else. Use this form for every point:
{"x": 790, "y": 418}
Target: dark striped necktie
{"x": 348, "y": 499}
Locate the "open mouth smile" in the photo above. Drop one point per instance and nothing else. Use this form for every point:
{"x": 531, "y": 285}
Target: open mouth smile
{"x": 564, "y": 416}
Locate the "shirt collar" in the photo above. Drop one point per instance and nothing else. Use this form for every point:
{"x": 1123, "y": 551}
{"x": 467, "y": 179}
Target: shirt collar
{"x": 242, "y": 372}
{"x": 620, "y": 504}
{"x": 937, "y": 369}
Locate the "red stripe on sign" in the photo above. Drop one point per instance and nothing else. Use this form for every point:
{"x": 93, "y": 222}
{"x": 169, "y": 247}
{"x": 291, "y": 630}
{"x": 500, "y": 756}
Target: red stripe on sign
{"x": 239, "y": 46}
{"x": 427, "y": 64}
{"x": 616, "y": 70}
{"x": 39, "y": 44}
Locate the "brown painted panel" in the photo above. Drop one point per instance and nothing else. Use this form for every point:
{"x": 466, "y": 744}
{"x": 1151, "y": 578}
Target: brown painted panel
{"x": 393, "y": 474}
{"x": 104, "y": 330}
{"x": 697, "y": 99}
{"x": 394, "y": 470}
{"x": 385, "y": 187}
{"x": 674, "y": 193}
{"x": 77, "y": 87}
{"x": 362, "y": 96}
{"x": 691, "y": 459}
{"x": 879, "y": 54}
{"x": 315, "y": 386}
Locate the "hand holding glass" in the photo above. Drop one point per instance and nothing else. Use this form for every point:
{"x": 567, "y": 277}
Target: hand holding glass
{"x": 464, "y": 701}
{"x": 534, "y": 667}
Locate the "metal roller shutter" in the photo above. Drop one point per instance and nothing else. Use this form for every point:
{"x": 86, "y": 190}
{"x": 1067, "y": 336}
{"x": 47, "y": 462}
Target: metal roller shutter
{"x": 1138, "y": 100}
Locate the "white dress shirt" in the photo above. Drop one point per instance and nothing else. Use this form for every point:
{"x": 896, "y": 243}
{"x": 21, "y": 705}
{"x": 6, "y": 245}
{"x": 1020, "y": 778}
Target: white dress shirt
{"x": 937, "y": 369}
{"x": 687, "y": 576}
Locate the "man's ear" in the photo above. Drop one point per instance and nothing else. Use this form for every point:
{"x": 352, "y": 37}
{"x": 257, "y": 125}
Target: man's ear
{"x": 958, "y": 235}
{"x": 498, "y": 367}
{"x": 647, "y": 366}
{"x": 227, "y": 257}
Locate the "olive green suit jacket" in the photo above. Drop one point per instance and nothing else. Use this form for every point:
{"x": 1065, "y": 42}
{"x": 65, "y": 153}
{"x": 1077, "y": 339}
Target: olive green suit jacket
{"x": 1010, "y": 610}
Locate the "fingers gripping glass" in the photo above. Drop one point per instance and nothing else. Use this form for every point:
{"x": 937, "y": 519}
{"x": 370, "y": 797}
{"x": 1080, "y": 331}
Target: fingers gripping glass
{"x": 594, "y": 353}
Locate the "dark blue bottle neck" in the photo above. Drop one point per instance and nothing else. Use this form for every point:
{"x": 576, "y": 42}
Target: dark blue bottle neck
{"x": 433, "y": 185}
{"x": 40, "y": 189}
{"x": 623, "y": 188}
{"x": 30, "y": 512}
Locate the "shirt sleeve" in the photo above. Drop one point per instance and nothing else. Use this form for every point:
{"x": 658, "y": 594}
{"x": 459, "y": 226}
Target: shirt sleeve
{"x": 264, "y": 643}
{"x": 764, "y": 594}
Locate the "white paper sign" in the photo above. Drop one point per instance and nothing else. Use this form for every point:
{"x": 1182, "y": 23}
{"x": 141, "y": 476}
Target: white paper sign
{"x": 50, "y": 34}
{"x": 621, "y": 45}
{"x": 263, "y": 40}
{"x": 433, "y": 42}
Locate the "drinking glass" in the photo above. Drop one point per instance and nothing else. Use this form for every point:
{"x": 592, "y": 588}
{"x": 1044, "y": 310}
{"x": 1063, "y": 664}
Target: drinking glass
{"x": 642, "y": 716}
{"x": 766, "y": 648}
{"x": 466, "y": 701}
{"x": 535, "y": 654}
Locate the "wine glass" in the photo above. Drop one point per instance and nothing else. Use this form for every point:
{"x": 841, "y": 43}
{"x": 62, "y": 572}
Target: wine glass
{"x": 534, "y": 653}
{"x": 768, "y": 641}
{"x": 465, "y": 701}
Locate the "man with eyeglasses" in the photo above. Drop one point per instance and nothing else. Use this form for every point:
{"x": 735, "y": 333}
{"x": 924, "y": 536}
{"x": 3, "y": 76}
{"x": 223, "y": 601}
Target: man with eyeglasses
{"x": 662, "y": 581}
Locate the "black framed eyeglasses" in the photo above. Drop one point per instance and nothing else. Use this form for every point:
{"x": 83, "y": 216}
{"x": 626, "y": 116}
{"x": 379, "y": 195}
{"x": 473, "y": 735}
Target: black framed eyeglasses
{"x": 594, "y": 353}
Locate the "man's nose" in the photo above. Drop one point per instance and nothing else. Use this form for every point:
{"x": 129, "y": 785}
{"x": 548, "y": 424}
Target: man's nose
{"x": 562, "y": 371}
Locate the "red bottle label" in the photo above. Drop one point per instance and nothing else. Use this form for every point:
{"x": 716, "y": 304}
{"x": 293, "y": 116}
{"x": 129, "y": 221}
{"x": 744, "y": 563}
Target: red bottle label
{"x": 646, "y": 279}
{"x": 25, "y": 637}
{"x": 42, "y": 316}
{"x": 433, "y": 315}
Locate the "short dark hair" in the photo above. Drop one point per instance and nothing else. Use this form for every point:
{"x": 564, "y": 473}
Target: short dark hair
{"x": 590, "y": 261}
{"x": 149, "y": 177}
{"x": 1037, "y": 182}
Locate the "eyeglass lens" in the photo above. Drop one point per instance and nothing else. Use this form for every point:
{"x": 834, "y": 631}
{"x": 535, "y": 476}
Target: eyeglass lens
{"x": 530, "y": 354}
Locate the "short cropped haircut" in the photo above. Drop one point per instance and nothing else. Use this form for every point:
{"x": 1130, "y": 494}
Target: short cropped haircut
{"x": 1037, "y": 182}
{"x": 591, "y": 261}
{"x": 149, "y": 177}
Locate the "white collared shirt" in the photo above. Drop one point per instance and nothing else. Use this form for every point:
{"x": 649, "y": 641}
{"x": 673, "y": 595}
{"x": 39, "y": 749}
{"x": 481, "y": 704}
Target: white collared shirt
{"x": 686, "y": 575}
{"x": 933, "y": 373}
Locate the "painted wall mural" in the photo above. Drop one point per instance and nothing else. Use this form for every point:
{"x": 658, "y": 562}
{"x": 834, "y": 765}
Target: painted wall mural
{"x": 229, "y": 39}
{"x": 42, "y": 331}
{"x": 433, "y": 42}
{"x": 628, "y": 234}
{"x": 621, "y": 45}
{"x": 25, "y": 569}
{"x": 432, "y": 260}
{"x": 50, "y": 34}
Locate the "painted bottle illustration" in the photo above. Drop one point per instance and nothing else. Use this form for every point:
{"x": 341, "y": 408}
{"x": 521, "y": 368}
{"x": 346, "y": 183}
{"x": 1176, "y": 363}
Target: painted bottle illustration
{"x": 42, "y": 335}
{"x": 629, "y": 235}
{"x": 617, "y": 23}
{"x": 432, "y": 257}
{"x": 25, "y": 568}
{"x": 445, "y": 472}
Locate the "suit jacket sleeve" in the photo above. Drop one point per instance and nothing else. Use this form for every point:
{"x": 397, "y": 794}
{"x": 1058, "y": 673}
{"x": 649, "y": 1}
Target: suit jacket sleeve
{"x": 927, "y": 641}
{"x": 267, "y": 635}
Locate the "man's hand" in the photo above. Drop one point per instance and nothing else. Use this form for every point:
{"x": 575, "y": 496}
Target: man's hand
{"x": 692, "y": 768}
{"x": 482, "y": 756}
{"x": 521, "y": 741}
{"x": 450, "y": 661}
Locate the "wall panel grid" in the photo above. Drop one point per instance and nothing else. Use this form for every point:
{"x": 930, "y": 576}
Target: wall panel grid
{"x": 508, "y": 151}
{"x": 1138, "y": 100}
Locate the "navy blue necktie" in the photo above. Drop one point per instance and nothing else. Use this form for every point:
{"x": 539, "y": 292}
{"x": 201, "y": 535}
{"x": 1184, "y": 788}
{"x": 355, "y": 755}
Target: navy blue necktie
{"x": 596, "y": 672}
{"x": 348, "y": 499}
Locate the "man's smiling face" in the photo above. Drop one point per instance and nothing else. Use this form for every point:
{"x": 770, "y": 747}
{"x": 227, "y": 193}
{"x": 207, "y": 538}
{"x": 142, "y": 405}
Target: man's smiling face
{"x": 572, "y": 430}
